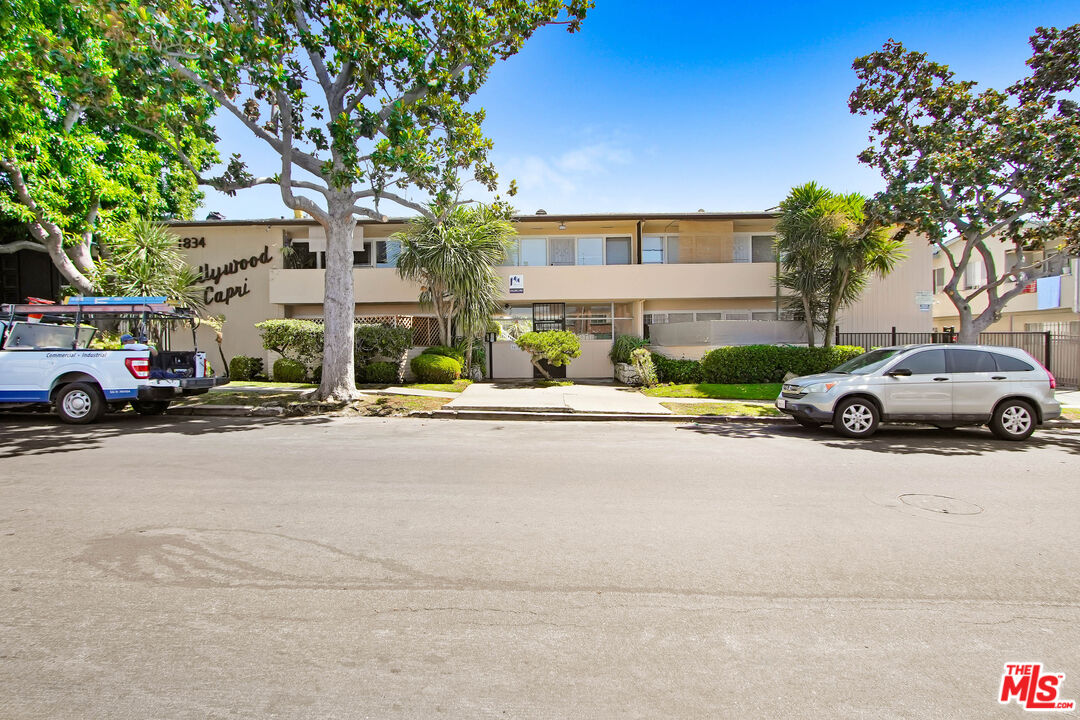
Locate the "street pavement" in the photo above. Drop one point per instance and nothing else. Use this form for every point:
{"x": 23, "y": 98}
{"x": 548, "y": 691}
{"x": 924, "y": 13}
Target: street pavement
{"x": 400, "y": 568}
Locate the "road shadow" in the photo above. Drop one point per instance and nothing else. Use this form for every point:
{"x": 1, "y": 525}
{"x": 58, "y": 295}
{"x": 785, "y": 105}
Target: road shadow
{"x": 43, "y": 434}
{"x": 902, "y": 439}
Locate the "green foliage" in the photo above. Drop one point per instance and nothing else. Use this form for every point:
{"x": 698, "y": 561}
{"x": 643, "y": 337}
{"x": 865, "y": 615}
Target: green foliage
{"x": 85, "y": 146}
{"x": 981, "y": 167}
{"x": 373, "y": 340}
{"x": 770, "y": 363}
{"x": 556, "y": 347}
{"x": 380, "y": 372}
{"x": 298, "y": 340}
{"x": 446, "y": 351}
{"x": 435, "y": 368}
{"x": 669, "y": 370}
{"x": 243, "y": 367}
{"x": 642, "y": 361}
{"x": 828, "y": 253}
{"x": 752, "y": 391}
{"x": 623, "y": 346}
{"x": 145, "y": 261}
{"x": 286, "y": 370}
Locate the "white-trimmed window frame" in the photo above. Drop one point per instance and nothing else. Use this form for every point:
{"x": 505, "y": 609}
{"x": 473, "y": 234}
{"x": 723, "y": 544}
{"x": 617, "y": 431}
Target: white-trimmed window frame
{"x": 548, "y": 238}
{"x": 743, "y": 250}
{"x": 665, "y": 247}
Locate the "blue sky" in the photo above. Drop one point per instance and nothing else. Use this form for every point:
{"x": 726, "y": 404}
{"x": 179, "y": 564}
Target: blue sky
{"x": 674, "y": 107}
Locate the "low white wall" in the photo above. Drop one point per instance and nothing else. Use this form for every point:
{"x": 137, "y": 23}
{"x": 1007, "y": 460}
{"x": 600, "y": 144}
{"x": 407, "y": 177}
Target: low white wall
{"x": 511, "y": 362}
{"x": 727, "y": 332}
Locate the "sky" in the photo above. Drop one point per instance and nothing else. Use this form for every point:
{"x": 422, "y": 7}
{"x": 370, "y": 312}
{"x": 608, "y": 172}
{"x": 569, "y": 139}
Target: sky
{"x": 676, "y": 107}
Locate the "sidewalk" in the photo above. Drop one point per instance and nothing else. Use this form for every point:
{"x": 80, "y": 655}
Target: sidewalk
{"x": 1068, "y": 398}
{"x": 518, "y": 397}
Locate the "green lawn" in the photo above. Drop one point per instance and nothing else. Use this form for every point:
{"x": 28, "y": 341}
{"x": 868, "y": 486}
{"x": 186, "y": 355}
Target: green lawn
{"x": 764, "y": 391}
{"x": 272, "y": 385}
{"x": 1070, "y": 414}
{"x": 726, "y": 408}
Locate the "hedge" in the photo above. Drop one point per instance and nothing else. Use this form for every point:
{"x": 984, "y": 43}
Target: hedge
{"x": 243, "y": 367}
{"x": 286, "y": 370}
{"x": 433, "y": 368}
{"x": 379, "y": 372}
{"x": 770, "y": 363}
{"x": 445, "y": 351}
{"x": 680, "y": 372}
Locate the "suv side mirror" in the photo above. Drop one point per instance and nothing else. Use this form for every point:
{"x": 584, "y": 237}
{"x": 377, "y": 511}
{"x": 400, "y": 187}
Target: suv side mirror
{"x": 899, "y": 372}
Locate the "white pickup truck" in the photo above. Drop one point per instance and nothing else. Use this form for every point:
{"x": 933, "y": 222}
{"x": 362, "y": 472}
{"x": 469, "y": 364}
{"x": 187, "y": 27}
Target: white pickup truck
{"x": 45, "y": 363}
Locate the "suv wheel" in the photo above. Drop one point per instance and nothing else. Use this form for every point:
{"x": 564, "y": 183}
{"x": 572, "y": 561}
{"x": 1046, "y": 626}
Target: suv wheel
{"x": 855, "y": 418}
{"x": 79, "y": 403}
{"x": 1013, "y": 420}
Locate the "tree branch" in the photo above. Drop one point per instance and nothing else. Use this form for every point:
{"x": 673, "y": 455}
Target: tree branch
{"x": 14, "y": 247}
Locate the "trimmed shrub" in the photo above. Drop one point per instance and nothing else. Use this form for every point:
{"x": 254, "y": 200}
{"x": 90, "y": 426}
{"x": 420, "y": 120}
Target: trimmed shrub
{"x": 434, "y": 368}
{"x": 379, "y": 372}
{"x": 244, "y": 367}
{"x": 770, "y": 363}
{"x": 299, "y": 340}
{"x": 286, "y": 370}
{"x": 642, "y": 361}
{"x": 557, "y": 347}
{"x": 669, "y": 370}
{"x": 444, "y": 351}
{"x": 623, "y": 346}
{"x": 374, "y": 340}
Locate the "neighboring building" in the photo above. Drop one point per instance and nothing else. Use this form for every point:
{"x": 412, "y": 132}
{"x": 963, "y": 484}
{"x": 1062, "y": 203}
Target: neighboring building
{"x": 1050, "y": 301}
{"x": 692, "y": 281}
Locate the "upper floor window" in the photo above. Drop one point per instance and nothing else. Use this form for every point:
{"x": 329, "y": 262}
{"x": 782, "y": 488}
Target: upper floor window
{"x": 590, "y": 251}
{"x": 533, "y": 251}
{"x": 618, "y": 251}
{"x": 974, "y": 274}
{"x": 763, "y": 249}
{"x": 387, "y": 252}
{"x": 939, "y": 279}
{"x": 656, "y": 249}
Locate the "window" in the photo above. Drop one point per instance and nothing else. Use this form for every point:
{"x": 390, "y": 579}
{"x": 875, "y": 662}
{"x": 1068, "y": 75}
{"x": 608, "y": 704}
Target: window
{"x": 386, "y": 253}
{"x": 710, "y": 316}
{"x": 974, "y": 274}
{"x": 764, "y": 315}
{"x": 1007, "y": 363}
{"x": 533, "y": 251}
{"x": 923, "y": 363}
{"x": 680, "y": 317}
{"x": 673, "y": 249}
{"x": 300, "y": 257}
{"x": 618, "y": 251}
{"x": 652, "y": 250}
{"x": 742, "y": 316}
{"x": 362, "y": 258}
{"x": 970, "y": 361}
{"x": 762, "y": 249}
{"x": 513, "y": 254}
{"x": 562, "y": 251}
{"x": 939, "y": 279}
{"x": 590, "y": 251}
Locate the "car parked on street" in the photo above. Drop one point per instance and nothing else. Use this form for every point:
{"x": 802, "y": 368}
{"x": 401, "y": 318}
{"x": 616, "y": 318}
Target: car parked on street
{"x": 944, "y": 385}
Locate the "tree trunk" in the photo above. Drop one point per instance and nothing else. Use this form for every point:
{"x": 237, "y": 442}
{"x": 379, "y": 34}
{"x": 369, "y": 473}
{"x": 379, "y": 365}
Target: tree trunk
{"x": 53, "y": 240}
{"x": 538, "y": 366}
{"x": 80, "y": 256}
{"x": 468, "y": 357}
{"x": 339, "y": 310}
{"x": 971, "y": 326}
{"x": 809, "y": 319}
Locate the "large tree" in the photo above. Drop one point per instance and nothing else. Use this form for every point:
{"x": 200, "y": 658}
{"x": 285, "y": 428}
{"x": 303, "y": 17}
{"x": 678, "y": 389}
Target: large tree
{"x": 72, "y": 170}
{"x": 970, "y": 169}
{"x": 358, "y": 99}
{"x": 828, "y": 252}
{"x": 454, "y": 260}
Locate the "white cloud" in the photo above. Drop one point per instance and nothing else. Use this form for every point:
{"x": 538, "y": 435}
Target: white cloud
{"x": 561, "y": 181}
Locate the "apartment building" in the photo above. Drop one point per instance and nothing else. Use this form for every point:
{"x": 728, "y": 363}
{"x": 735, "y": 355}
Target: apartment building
{"x": 1050, "y": 299}
{"x": 690, "y": 281}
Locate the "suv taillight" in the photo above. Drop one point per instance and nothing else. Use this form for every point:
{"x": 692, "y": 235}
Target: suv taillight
{"x": 138, "y": 367}
{"x": 1053, "y": 382}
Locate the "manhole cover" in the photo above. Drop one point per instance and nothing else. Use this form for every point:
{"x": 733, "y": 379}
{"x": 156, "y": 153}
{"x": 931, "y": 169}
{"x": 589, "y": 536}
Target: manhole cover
{"x": 940, "y": 504}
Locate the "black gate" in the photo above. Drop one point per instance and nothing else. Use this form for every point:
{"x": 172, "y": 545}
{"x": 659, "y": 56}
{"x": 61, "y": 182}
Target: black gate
{"x": 549, "y": 316}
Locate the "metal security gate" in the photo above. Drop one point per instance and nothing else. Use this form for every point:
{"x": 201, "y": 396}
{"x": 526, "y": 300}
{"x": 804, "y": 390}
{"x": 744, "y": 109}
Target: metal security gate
{"x": 549, "y": 316}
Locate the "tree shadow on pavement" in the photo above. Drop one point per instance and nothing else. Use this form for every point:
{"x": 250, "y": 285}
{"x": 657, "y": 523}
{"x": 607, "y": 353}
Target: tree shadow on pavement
{"x": 26, "y": 435}
{"x": 903, "y": 440}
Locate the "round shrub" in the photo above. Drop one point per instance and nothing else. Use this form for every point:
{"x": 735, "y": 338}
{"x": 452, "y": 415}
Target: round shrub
{"x": 243, "y": 367}
{"x": 379, "y": 372}
{"x": 432, "y": 368}
{"x": 443, "y": 350}
{"x": 286, "y": 370}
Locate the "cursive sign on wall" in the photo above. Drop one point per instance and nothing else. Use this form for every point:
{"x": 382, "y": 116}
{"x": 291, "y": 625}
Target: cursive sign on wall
{"x": 226, "y": 295}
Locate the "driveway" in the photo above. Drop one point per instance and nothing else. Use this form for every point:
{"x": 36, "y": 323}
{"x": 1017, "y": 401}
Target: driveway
{"x": 398, "y": 568}
{"x": 570, "y": 398}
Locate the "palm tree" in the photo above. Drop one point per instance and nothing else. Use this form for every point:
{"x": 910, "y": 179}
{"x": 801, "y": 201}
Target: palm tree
{"x": 828, "y": 250}
{"x": 454, "y": 262}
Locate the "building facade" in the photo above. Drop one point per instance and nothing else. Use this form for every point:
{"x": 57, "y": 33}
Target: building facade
{"x": 688, "y": 281}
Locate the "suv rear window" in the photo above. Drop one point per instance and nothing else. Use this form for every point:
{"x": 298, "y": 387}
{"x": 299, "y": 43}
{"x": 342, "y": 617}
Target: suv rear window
{"x": 1007, "y": 363}
{"x": 970, "y": 361}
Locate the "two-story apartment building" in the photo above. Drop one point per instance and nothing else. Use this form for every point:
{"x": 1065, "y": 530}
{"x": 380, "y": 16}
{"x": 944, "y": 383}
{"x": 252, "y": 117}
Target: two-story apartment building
{"x": 691, "y": 281}
{"x": 1050, "y": 300}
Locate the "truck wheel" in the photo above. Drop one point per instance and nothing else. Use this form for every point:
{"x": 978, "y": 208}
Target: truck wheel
{"x": 1013, "y": 420}
{"x": 150, "y": 407}
{"x": 79, "y": 403}
{"x": 855, "y": 418}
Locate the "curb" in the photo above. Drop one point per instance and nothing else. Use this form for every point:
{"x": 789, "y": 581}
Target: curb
{"x": 227, "y": 410}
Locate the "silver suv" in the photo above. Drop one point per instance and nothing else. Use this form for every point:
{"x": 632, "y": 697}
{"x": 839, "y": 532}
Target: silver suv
{"x": 944, "y": 385}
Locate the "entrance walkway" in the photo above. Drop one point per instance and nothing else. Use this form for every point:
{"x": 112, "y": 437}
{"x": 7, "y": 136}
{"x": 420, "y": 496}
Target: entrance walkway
{"x": 571, "y": 398}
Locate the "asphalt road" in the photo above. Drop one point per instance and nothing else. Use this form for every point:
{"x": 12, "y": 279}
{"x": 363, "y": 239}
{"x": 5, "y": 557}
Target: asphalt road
{"x": 385, "y": 568}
